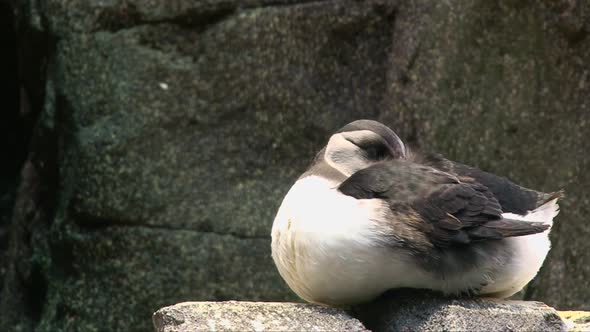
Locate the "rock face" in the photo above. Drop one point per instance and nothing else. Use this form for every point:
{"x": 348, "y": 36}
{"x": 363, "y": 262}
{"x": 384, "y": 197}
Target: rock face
{"x": 171, "y": 130}
{"x": 177, "y": 130}
{"x": 252, "y": 316}
{"x": 13, "y": 147}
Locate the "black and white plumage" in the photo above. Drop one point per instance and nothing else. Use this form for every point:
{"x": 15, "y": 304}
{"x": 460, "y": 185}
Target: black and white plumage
{"x": 370, "y": 215}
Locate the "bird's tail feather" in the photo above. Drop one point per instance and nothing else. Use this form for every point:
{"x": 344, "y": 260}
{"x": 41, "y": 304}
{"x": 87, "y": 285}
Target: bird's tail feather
{"x": 515, "y": 227}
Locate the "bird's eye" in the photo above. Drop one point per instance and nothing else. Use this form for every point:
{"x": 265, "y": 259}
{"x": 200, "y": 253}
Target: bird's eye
{"x": 373, "y": 148}
{"x": 376, "y": 152}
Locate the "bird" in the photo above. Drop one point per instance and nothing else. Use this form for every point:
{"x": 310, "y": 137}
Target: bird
{"x": 372, "y": 214}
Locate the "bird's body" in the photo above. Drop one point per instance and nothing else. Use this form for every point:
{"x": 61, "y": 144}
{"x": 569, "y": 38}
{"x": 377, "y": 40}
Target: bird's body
{"x": 356, "y": 225}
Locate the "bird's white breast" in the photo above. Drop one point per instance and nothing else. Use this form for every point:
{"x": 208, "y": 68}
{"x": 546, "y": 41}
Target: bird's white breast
{"x": 323, "y": 243}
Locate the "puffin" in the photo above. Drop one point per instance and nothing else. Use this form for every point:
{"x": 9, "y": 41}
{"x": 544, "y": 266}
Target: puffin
{"x": 370, "y": 214}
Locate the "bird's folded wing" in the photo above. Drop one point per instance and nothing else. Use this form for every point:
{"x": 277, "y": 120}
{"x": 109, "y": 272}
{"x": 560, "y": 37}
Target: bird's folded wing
{"x": 512, "y": 197}
{"x": 451, "y": 212}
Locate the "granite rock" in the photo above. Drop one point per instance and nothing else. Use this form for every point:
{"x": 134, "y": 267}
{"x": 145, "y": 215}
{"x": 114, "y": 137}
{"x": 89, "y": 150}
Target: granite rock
{"x": 411, "y": 310}
{"x": 402, "y": 310}
{"x": 252, "y": 316}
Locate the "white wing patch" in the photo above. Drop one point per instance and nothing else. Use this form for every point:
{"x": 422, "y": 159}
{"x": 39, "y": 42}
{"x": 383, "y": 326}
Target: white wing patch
{"x": 529, "y": 253}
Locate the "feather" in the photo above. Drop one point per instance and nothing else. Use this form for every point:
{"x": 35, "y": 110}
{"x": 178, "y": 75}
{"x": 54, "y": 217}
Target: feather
{"x": 450, "y": 212}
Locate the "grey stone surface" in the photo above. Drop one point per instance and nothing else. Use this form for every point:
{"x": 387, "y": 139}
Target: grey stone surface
{"x": 410, "y": 310}
{"x": 174, "y": 128}
{"x": 252, "y": 316}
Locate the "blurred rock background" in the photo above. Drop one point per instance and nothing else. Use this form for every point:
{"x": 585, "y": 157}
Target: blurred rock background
{"x": 147, "y": 144}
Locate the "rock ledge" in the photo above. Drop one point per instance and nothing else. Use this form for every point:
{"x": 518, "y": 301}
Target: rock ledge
{"x": 399, "y": 311}
{"x": 413, "y": 310}
{"x": 252, "y": 316}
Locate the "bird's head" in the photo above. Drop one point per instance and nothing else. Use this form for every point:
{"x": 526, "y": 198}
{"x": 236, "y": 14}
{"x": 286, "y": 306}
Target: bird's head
{"x": 360, "y": 144}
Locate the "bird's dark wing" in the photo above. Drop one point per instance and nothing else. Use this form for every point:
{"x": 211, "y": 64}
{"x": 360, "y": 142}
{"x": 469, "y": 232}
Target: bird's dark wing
{"x": 450, "y": 212}
{"x": 512, "y": 197}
